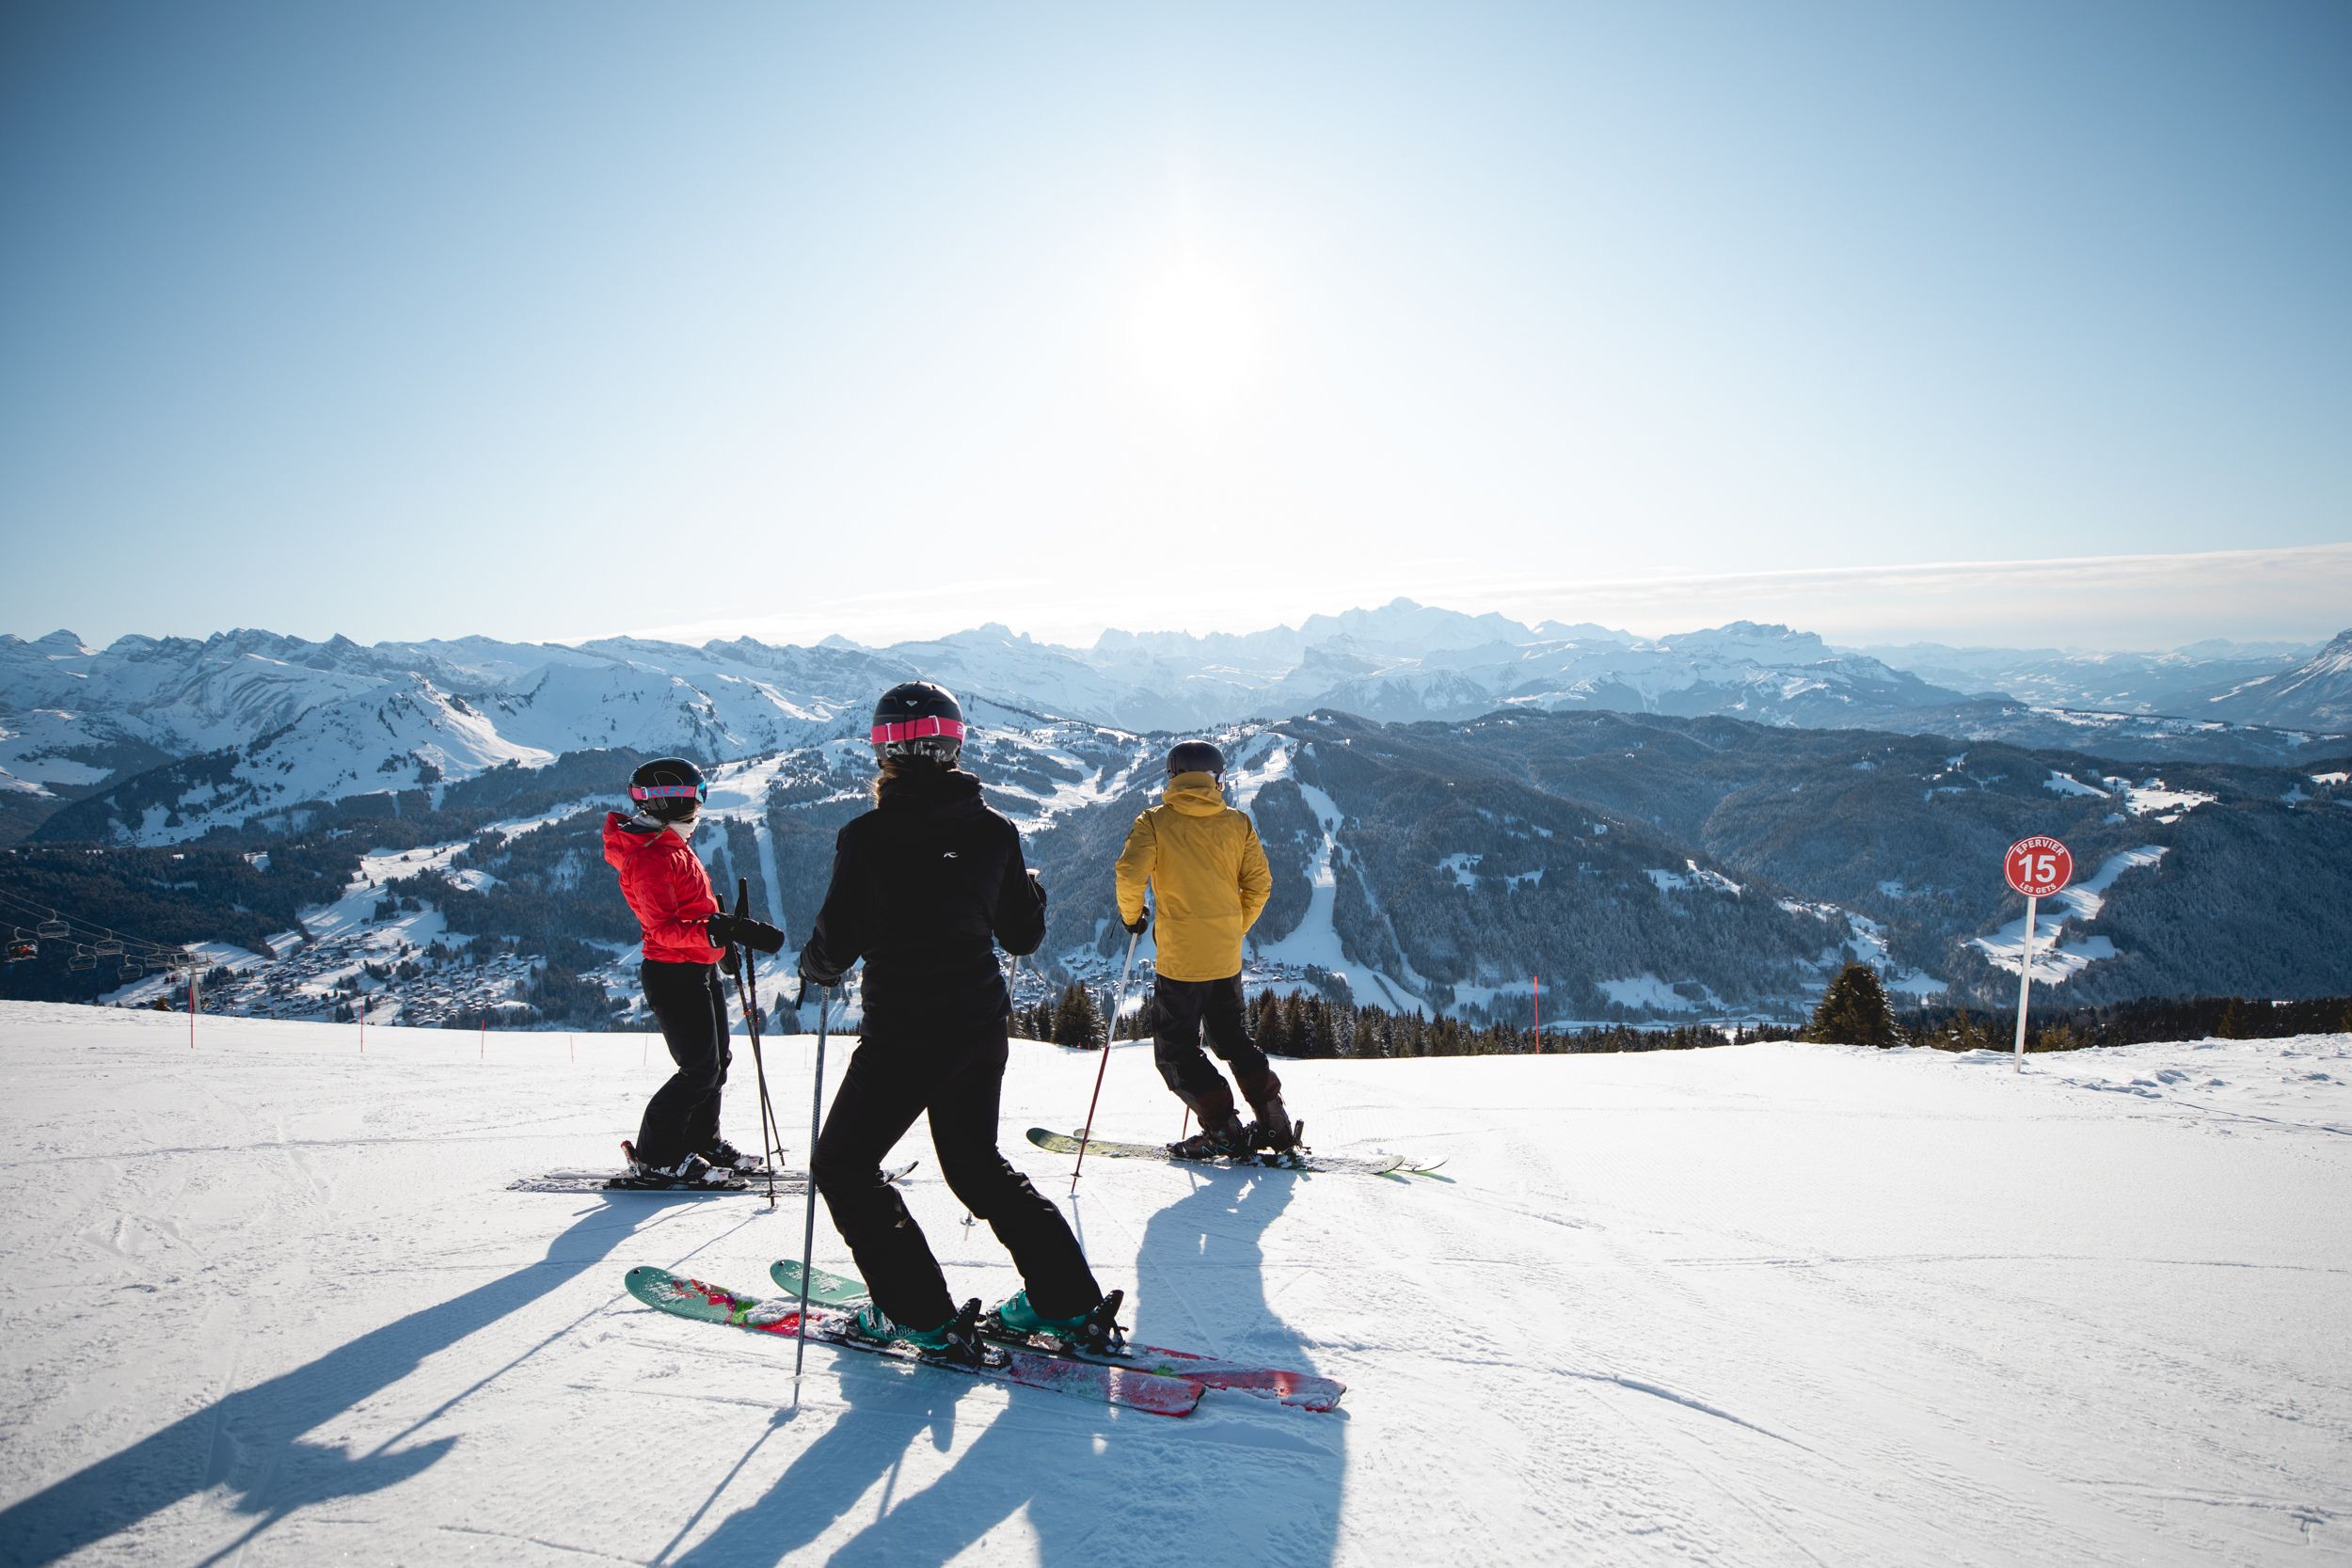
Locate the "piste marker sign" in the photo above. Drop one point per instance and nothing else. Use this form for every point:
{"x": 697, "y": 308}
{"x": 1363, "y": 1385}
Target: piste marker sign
{"x": 2039, "y": 867}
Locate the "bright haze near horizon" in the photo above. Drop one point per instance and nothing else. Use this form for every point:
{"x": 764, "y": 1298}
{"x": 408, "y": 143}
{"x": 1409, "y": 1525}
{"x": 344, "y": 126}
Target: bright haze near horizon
{"x": 1975, "y": 324}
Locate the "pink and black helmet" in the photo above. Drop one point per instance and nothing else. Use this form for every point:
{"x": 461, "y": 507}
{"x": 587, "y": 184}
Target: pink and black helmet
{"x": 917, "y": 718}
{"x": 668, "y": 789}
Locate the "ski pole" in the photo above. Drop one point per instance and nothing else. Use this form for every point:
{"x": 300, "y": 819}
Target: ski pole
{"x": 771, "y": 1146}
{"x": 808, "y": 1229}
{"x": 1119, "y": 1000}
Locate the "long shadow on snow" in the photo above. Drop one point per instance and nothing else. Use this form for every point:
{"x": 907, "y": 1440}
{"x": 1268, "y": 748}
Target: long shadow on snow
{"x": 251, "y": 1440}
{"x": 1239, "y": 1481}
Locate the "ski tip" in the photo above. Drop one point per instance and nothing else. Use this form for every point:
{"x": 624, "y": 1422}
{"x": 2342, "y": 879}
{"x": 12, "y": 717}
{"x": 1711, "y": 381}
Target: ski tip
{"x": 647, "y": 1283}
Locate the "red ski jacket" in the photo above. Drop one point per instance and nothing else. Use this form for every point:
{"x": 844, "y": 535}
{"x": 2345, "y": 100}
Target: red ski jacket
{"x": 667, "y": 889}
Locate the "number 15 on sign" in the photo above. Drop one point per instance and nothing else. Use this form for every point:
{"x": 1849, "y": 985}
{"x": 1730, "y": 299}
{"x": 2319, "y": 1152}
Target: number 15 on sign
{"x": 2036, "y": 867}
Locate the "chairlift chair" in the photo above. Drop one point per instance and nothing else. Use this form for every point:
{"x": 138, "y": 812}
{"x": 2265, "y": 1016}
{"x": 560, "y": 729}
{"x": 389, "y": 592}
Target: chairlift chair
{"x": 130, "y": 969}
{"x": 21, "y": 948}
{"x": 83, "y": 958}
{"x": 54, "y": 929}
{"x": 108, "y": 946}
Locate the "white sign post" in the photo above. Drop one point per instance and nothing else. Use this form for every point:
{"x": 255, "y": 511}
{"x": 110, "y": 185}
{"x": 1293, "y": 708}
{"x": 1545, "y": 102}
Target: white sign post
{"x": 2036, "y": 867}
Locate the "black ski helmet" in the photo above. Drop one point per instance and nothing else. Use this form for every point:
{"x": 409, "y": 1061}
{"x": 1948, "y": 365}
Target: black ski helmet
{"x": 918, "y": 719}
{"x": 668, "y": 789}
{"x": 1195, "y": 756}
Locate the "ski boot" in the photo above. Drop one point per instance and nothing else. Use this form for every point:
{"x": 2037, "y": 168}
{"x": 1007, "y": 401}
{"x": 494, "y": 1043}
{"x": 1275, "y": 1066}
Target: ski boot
{"x": 1226, "y": 1139}
{"x": 692, "y": 1174}
{"x": 1281, "y": 1138}
{"x": 957, "y": 1341}
{"x": 1095, "y": 1330}
{"x": 727, "y": 1157}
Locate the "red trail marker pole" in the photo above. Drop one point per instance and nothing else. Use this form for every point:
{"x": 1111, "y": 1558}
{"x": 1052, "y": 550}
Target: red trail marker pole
{"x": 2036, "y": 867}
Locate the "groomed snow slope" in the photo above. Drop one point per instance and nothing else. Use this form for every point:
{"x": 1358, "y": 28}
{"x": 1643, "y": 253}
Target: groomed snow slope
{"x": 267, "y": 1302}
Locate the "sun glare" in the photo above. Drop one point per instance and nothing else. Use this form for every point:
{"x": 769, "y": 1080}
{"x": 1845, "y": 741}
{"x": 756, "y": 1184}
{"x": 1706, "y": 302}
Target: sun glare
{"x": 1195, "y": 338}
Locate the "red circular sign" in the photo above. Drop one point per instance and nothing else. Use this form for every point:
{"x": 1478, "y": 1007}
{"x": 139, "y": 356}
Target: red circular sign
{"x": 2038, "y": 867}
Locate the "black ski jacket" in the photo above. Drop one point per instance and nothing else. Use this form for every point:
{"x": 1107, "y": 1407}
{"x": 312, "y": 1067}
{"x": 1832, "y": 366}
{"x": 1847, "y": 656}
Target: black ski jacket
{"x": 924, "y": 888}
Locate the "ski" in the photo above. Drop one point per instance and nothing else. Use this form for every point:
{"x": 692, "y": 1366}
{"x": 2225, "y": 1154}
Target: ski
{"x": 1307, "y": 1390}
{"x": 1374, "y": 1165}
{"x": 702, "y": 1302}
{"x": 755, "y": 1184}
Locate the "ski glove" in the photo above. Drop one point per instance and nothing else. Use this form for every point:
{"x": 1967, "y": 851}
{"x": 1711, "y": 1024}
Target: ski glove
{"x": 1039, "y": 888}
{"x": 728, "y": 930}
{"x": 1142, "y": 921}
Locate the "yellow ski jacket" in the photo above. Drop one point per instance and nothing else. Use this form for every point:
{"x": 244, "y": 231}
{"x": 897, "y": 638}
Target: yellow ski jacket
{"x": 1209, "y": 874}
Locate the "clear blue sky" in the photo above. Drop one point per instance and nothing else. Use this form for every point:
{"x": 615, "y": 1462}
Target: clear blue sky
{"x": 556, "y": 320}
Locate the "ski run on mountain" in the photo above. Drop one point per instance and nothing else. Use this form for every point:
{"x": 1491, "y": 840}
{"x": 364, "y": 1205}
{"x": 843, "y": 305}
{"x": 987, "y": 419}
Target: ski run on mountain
{"x": 1776, "y": 1305}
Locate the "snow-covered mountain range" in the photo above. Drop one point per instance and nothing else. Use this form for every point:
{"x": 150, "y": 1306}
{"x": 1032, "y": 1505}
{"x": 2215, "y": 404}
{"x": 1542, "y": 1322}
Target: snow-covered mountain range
{"x": 279, "y": 720}
{"x": 1451, "y": 802}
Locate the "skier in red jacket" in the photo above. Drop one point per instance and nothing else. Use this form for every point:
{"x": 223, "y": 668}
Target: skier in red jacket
{"x": 679, "y": 1143}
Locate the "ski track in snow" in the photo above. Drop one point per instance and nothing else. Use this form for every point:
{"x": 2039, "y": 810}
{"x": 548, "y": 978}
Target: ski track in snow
{"x": 1768, "y": 1304}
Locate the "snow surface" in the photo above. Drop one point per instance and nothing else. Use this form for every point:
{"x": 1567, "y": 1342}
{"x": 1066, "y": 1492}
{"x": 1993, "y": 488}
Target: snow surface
{"x": 2061, "y": 783}
{"x": 1647, "y": 990}
{"x": 1693, "y": 876}
{"x": 2166, "y": 805}
{"x": 268, "y": 1302}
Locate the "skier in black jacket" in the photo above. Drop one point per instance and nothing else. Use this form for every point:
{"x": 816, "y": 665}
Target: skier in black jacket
{"x": 924, "y": 888}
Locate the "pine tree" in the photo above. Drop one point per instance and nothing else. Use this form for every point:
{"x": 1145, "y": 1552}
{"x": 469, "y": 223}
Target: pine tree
{"x": 2233, "y": 1025}
{"x": 1854, "y": 1011}
{"x": 1077, "y": 1021}
{"x": 1321, "y": 1039}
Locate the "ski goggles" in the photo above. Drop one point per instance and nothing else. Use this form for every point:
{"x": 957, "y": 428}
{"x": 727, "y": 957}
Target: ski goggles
{"x": 669, "y": 792}
{"x": 918, "y": 729}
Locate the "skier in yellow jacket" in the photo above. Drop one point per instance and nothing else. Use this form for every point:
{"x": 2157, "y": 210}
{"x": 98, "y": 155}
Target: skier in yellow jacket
{"x": 1209, "y": 871}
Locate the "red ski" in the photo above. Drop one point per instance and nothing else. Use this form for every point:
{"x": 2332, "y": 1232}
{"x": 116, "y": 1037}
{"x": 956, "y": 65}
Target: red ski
{"x": 1308, "y": 1390}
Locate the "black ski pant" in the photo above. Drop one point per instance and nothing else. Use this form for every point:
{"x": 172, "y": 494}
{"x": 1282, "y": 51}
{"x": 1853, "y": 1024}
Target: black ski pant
{"x": 956, "y": 1074}
{"x": 690, "y": 1006}
{"x": 1183, "y": 1006}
